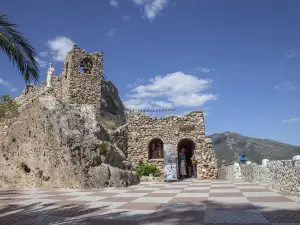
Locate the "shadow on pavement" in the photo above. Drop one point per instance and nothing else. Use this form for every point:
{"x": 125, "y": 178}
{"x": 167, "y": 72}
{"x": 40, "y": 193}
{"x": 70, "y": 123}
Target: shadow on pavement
{"x": 206, "y": 212}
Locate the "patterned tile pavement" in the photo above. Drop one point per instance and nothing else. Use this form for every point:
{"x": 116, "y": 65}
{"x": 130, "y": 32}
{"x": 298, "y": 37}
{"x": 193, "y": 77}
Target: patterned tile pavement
{"x": 187, "y": 202}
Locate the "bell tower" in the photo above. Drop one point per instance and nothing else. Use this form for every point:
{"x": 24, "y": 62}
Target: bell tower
{"x": 82, "y": 77}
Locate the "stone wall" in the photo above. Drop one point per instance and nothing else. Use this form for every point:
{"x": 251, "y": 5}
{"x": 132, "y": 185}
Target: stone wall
{"x": 142, "y": 129}
{"x": 233, "y": 172}
{"x": 82, "y": 83}
{"x": 283, "y": 175}
{"x": 82, "y": 76}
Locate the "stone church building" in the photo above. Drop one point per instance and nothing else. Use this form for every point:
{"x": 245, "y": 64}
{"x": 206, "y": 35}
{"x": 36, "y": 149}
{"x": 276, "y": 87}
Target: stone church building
{"x": 101, "y": 116}
{"x": 147, "y": 135}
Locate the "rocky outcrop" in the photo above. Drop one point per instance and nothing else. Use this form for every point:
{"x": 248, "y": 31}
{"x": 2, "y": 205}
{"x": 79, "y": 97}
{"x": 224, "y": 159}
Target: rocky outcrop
{"x": 120, "y": 137}
{"x": 106, "y": 175}
{"x": 112, "y": 109}
{"x": 55, "y": 144}
{"x": 61, "y": 136}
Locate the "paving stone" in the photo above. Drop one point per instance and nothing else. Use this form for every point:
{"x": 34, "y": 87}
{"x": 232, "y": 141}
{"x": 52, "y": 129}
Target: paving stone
{"x": 192, "y": 202}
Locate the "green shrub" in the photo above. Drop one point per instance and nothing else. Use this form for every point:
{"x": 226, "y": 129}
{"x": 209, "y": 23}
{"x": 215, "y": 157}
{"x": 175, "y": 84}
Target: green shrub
{"x": 103, "y": 148}
{"x": 8, "y": 107}
{"x": 147, "y": 169}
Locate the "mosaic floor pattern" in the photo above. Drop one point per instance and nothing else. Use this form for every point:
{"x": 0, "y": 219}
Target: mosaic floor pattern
{"x": 186, "y": 202}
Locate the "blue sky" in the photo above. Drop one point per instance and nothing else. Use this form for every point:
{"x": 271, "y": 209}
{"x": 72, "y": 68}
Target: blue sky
{"x": 238, "y": 61}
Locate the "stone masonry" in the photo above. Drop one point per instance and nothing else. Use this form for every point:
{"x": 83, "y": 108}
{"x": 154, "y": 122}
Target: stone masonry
{"x": 79, "y": 82}
{"x": 283, "y": 175}
{"x": 172, "y": 130}
{"x": 82, "y": 77}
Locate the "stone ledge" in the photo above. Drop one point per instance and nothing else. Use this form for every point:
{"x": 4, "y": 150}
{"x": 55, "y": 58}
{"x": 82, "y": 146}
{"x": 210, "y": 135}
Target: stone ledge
{"x": 155, "y": 160}
{"x": 152, "y": 179}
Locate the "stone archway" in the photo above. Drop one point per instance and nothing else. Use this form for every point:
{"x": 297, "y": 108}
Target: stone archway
{"x": 189, "y": 146}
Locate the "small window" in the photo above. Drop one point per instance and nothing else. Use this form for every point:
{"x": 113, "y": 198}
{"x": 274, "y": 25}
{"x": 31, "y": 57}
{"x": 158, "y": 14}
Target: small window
{"x": 86, "y": 65}
{"x": 156, "y": 149}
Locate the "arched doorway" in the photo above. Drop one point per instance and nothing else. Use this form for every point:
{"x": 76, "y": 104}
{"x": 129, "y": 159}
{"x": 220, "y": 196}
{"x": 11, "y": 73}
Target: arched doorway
{"x": 189, "y": 147}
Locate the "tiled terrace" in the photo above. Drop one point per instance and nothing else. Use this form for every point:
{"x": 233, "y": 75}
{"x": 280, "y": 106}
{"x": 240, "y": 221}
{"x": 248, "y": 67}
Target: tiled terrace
{"x": 185, "y": 202}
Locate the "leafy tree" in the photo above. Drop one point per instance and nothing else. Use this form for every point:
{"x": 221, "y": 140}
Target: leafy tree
{"x": 18, "y": 49}
{"x": 8, "y": 107}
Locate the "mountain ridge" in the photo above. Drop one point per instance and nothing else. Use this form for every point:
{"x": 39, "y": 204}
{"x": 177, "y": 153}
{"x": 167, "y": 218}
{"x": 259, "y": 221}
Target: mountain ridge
{"x": 229, "y": 145}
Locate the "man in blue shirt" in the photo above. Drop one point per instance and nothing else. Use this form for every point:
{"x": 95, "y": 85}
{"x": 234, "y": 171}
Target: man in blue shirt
{"x": 242, "y": 159}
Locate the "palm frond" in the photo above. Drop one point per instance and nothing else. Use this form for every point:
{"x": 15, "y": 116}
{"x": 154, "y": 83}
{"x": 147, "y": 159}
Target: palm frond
{"x": 18, "y": 49}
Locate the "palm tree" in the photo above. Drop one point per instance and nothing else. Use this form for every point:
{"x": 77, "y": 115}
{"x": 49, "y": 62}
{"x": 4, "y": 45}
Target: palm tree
{"x": 18, "y": 49}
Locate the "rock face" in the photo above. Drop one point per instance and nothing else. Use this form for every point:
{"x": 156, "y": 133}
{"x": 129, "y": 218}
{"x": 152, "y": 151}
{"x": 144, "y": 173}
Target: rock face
{"x": 112, "y": 109}
{"x": 120, "y": 138}
{"x": 56, "y": 144}
{"x": 59, "y": 139}
{"x": 146, "y": 135}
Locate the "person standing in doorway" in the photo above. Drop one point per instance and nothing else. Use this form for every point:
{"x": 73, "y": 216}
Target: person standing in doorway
{"x": 182, "y": 163}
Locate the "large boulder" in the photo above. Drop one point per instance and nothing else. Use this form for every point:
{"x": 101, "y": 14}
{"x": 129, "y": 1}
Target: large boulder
{"x": 106, "y": 175}
{"x": 120, "y": 137}
{"x": 55, "y": 144}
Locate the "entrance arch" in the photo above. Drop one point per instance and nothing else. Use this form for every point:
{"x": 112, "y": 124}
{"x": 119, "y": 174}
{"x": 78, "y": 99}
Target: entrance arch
{"x": 189, "y": 146}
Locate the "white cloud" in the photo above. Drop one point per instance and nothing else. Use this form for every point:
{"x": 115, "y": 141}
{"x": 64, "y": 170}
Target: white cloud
{"x": 112, "y": 32}
{"x": 206, "y": 113}
{"x": 291, "y": 121}
{"x": 140, "y": 2}
{"x": 44, "y": 54}
{"x": 8, "y": 85}
{"x": 42, "y": 63}
{"x": 206, "y": 108}
{"x": 137, "y": 104}
{"x": 204, "y": 69}
{"x": 291, "y": 53}
{"x": 192, "y": 99}
{"x": 176, "y": 89}
{"x": 136, "y": 83}
{"x": 114, "y": 3}
{"x": 152, "y": 7}
{"x": 59, "y": 47}
{"x": 163, "y": 104}
{"x": 286, "y": 86}
{"x": 125, "y": 17}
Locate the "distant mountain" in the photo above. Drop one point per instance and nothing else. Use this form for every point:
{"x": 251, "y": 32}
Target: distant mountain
{"x": 229, "y": 145}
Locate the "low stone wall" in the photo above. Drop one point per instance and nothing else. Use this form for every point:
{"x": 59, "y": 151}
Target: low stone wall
{"x": 233, "y": 172}
{"x": 222, "y": 173}
{"x": 255, "y": 173}
{"x": 283, "y": 175}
